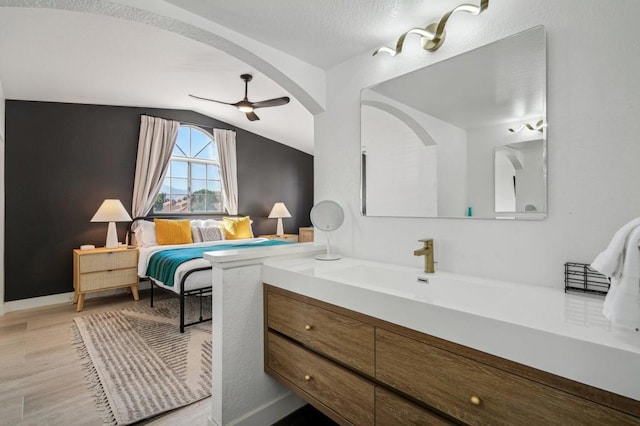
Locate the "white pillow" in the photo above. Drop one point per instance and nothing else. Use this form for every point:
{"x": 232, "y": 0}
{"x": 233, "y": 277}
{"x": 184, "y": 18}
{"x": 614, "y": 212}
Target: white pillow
{"x": 210, "y": 222}
{"x": 146, "y": 233}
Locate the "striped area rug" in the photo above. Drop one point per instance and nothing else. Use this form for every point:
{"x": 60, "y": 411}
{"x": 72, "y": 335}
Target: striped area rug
{"x": 138, "y": 363}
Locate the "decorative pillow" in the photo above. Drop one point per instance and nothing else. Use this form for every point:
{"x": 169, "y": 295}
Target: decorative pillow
{"x": 207, "y": 223}
{"x": 211, "y": 233}
{"x": 173, "y": 231}
{"x": 196, "y": 236}
{"x": 146, "y": 233}
{"x": 236, "y": 228}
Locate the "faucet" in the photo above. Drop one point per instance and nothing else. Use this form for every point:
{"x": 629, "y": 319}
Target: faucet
{"x": 427, "y": 252}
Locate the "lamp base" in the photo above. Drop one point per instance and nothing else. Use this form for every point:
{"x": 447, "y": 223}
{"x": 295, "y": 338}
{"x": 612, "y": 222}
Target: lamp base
{"x": 112, "y": 236}
{"x": 279, "y": 230}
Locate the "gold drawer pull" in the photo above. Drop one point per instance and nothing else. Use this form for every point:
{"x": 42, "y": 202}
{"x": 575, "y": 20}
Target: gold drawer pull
{"x": 475, "y": 400}
{"x": 307, "y": 377}
{"x": 307, "y": 327}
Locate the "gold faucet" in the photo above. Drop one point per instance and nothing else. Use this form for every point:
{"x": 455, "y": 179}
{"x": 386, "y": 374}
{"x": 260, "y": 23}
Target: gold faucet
{"x": 427, "y": 252}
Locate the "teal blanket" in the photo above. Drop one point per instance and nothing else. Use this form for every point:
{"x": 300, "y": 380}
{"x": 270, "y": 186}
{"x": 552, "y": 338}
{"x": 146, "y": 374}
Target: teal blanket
{"x": 162, "y": 265}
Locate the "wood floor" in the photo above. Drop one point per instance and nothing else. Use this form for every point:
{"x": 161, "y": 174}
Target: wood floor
{"x": 41, "y": 377}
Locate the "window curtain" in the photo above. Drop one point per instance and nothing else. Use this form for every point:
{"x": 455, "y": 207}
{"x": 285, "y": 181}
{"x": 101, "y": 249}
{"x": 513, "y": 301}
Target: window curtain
{"x": 226, "y": 143}
{"x": 155, "y": 145}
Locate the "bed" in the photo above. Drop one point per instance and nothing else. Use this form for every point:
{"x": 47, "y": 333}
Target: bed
{"x": 180, "y": 268}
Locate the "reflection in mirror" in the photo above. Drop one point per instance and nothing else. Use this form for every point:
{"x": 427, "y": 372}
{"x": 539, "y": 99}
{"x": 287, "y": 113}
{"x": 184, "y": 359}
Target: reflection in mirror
{"x": 520, "y": 178}
{"x": 435, "y": 141}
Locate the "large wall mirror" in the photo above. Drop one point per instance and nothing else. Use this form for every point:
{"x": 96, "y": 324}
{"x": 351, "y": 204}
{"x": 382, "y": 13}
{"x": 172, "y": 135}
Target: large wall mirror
{"x": 451, "y": 139}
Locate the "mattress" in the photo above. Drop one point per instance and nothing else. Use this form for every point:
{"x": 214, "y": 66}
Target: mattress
{"x": 197, "y": 280}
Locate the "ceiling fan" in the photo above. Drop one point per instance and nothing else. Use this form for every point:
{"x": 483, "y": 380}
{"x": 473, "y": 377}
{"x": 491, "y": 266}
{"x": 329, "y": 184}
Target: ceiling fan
{"x": 246, "y": 105}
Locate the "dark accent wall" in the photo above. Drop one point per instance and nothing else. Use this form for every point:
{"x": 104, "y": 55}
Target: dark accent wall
{"x": 63, "y": 160}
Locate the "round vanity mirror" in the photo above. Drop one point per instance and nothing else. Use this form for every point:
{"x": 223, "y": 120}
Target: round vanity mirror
{"x": 327, "y": 216}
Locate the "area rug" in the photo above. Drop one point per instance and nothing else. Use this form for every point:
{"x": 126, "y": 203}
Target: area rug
{"x": 139, "y": 364}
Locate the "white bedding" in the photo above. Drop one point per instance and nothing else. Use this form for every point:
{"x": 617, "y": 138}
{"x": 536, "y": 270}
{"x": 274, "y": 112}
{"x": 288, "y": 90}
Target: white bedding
{"x": 200, "y": 279}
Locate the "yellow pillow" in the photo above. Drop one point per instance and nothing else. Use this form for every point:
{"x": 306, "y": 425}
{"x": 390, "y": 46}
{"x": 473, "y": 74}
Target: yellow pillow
{"x": 236, "y": 228}
{"x": 173, "y": 231}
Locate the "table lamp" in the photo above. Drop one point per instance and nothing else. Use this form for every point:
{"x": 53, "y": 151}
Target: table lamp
{"x": 279, "y": 211}
{"x": 111, "y": 211}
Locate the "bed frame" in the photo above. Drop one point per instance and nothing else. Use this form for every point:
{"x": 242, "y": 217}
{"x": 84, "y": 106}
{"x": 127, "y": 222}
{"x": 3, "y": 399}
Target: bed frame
{"x": 183, "y": 294}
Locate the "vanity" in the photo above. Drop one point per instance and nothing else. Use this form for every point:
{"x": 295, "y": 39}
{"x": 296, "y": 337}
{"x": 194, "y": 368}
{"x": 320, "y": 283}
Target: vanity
{"x": 368, "y": 343}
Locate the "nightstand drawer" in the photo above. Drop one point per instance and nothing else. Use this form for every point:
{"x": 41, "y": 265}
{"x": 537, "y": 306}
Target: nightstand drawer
{"x": 107, "y": 279}
{"x": 108, "y": 260}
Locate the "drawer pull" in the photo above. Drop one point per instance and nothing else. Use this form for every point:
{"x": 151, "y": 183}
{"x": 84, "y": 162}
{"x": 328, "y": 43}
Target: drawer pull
{"x": 307, "y": 377}
{"x": 475, "y": 400}
{"x": 307, "y": 327}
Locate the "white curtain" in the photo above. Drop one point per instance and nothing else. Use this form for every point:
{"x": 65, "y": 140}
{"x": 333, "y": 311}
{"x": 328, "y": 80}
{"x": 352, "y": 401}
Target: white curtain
{"x": 226, "y": 142}
{"x": 155, "y": 145}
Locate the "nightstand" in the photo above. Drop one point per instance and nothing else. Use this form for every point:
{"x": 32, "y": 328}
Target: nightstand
{"x": 285, "y": 237}
{"x": 306, "y": 235}
{"x": 103, "y": 269}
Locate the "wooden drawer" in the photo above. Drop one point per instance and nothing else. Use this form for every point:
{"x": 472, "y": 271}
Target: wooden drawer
{"x": 108, "y": 260}
{"x": 107, "y": 279}
{"x": 393, "y": 410}
{"x": 343, "y": 392}
{"x": 447, "y": 382}
{"x": 340, "y": 337}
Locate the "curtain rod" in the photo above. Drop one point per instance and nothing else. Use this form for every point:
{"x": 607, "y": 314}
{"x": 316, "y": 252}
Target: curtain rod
{"x": 208, "y": 126}
{"x": 196, "y": 124}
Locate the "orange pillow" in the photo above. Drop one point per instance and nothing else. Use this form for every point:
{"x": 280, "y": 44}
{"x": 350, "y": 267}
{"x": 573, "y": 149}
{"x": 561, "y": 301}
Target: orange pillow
{"x": 173, "y": 231}
{"x": 236, "y": 228}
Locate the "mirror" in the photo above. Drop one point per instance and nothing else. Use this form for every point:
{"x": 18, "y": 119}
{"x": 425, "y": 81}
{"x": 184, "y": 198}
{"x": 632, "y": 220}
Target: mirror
{"x": 327, "y": 216}
{"x": 444, "y": 140}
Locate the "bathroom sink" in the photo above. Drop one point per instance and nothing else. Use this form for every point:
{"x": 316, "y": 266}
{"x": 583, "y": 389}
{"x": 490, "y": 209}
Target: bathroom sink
{"x": 440, "y": 287}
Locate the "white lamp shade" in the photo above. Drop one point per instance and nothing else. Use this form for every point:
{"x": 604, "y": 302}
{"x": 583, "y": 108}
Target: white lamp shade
{"x": 111, "y": 211}
{"x": 279, "y": 210}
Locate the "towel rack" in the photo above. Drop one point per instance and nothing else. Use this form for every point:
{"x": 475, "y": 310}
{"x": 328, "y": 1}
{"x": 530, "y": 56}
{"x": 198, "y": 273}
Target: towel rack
{"x": 581, "y": 278}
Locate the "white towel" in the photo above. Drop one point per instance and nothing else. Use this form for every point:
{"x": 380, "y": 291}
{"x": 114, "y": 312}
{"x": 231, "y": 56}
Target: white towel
{"x": 622, "y": 304}
{"x": 610, "y": 261}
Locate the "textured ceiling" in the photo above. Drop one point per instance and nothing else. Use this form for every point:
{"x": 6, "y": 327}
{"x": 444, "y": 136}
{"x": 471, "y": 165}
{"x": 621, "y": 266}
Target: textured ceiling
{"x": 322, "y": 33}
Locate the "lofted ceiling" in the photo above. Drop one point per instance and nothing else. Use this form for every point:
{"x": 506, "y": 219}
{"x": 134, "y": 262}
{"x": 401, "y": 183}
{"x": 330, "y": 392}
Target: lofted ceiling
{"x": 59, "y": 55}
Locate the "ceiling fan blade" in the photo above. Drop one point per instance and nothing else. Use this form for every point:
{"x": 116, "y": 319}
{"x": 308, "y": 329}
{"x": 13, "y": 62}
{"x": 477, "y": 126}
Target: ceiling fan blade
{"x": 271, "y": 102}
{"x": 211, "y": 100}
{"x": 252, "y": 116}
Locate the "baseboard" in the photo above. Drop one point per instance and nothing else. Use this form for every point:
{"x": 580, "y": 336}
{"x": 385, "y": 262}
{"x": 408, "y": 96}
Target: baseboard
{"x": 268, "y": 413}
{"x": 57, "y": 299}
{"x": 38, "y": 302}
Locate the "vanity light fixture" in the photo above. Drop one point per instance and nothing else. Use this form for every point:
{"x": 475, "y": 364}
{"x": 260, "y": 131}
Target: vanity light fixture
{"x": 539, "y": 126}
{"x": 433, "y": 35}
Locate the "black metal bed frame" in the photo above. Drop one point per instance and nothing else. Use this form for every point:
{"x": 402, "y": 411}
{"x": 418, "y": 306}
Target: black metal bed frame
{"x": 200, "y": 292}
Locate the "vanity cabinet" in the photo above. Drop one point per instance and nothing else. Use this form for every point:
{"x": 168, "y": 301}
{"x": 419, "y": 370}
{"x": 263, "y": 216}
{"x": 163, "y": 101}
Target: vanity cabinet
{"x": 362, "y": 370}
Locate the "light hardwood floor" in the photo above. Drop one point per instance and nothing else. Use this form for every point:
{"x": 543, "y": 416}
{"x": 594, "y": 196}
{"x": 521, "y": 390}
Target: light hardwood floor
{"x": 41, "y": 376}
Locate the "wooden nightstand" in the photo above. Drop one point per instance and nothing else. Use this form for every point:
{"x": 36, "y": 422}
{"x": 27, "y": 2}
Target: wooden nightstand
{"x": 306, "y": 235}
{"x": 286, "y": 237}
{"x": 102, "y": 269}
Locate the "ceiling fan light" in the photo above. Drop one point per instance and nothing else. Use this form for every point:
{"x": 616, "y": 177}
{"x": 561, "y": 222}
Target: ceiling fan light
{"x": 245, "y": 108}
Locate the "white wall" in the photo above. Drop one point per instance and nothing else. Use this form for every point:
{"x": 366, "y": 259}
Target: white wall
{"x": 593, "y": 102}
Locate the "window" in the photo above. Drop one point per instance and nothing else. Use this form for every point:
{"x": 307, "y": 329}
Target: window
{"x": 192, "y": 183}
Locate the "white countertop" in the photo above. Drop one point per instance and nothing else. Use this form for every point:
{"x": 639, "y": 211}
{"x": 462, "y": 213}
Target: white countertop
{"x": 258, "y": 254}
{"x": 545, "y": 328}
